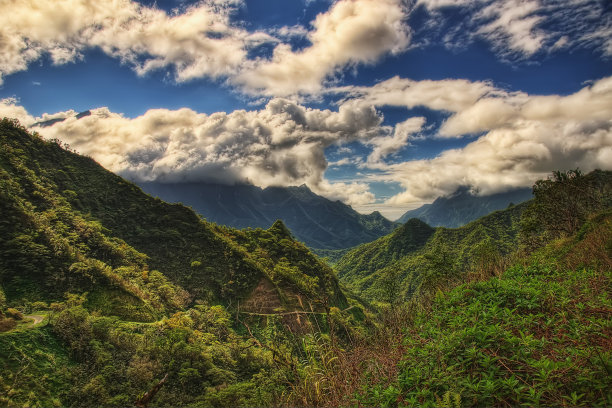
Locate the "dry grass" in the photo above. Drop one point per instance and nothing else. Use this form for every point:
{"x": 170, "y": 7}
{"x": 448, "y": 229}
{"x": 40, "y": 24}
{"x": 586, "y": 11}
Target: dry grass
{"x": 333, "y": 376}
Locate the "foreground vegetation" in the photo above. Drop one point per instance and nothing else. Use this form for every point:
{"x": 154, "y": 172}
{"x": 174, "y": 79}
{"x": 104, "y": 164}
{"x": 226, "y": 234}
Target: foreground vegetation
{"x": 146, "y": 304}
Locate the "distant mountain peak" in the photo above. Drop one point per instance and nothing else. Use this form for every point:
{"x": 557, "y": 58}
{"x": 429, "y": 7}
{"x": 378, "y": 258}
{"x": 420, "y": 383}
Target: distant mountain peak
{"x": 464, "y": 205}
{"x": 51, "y": 122}
{"x": 83, "y": 114}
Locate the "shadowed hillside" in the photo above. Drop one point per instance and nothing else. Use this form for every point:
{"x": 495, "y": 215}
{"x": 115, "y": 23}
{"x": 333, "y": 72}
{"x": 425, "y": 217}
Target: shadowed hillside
{"x": 318, "y": 222}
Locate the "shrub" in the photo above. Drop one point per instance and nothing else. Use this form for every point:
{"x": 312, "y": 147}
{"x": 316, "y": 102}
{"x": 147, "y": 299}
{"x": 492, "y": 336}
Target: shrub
{"x": 14, "y": 313}
{"x": 7, "y": 324}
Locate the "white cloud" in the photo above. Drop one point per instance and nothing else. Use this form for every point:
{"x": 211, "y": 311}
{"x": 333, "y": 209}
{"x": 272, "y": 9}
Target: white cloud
{"x": 9, "y": 108}
{"x": 436, "y": 4}
{"x": 202, "y": 41}
{"x": 518, "y": 29}
{"x": 511, "y": 26}
{"x": 199, "y": 42}
{"x": 354, "y": 160}
{"x": 526, "y": 137}
{"x": 282, "y": 144}
{"x": 351, "y": 32}
{"x": 288, "y": 32}
{"x": 384, "y": 146}
{"x": 445, "y": 95}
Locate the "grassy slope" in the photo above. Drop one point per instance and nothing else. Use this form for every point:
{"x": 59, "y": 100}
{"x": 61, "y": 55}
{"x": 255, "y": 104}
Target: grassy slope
{"x": 537, "y": 335}
{"x": 33, "y": 364}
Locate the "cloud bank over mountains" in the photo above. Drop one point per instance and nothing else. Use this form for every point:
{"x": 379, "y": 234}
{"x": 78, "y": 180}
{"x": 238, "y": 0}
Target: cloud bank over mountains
{"x": 521, "y": 138}
{"x": 514, "y": 138}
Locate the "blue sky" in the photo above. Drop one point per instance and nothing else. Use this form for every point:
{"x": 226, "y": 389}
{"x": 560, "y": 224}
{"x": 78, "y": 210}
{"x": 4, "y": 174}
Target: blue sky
{"x": 384, "y": 104}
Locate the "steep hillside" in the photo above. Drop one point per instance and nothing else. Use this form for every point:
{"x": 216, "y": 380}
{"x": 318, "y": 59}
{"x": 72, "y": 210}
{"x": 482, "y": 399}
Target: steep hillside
{"x": 416, "y": 256}
{"x": 67, "y": 223}
{"x": 531, "y": 331}
{"x": 109, "y": 297}
{"x": 135, "y": 299}
{"x": 462, "y": 207}
{"x": 318, "y": 222}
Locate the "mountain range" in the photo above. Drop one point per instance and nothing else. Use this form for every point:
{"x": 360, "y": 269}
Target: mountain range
{"x": 463, "y": 206}
{"x": 315, "y": 220}
{"x": 110, "y": 297}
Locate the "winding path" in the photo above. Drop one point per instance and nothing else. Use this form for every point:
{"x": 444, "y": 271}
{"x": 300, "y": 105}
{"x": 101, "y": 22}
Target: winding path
{"x": 38, "y": 319}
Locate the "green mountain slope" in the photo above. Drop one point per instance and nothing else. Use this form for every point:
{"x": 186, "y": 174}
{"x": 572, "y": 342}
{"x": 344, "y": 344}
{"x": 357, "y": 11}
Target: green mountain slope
{"x": 68, "y": 222}
{"x": 318, "y": 222}
{"x": 537, "y": 335}
{"x": 136, "y": 292}
{"x": 533, "y": 332}
{"x": 145, "y": 304}
{"x": 67, "y": 219}
{"x": 416, "y": 256}
{"x": 391, "y": 268}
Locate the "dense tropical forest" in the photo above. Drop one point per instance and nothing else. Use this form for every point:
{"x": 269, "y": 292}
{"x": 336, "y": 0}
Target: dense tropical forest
{"x": 110, "y": 297}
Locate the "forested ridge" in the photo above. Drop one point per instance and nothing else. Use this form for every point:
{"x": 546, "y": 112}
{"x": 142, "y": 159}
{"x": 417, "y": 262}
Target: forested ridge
{"x": 147, "y": 304}
{"x": 133, "y": 289}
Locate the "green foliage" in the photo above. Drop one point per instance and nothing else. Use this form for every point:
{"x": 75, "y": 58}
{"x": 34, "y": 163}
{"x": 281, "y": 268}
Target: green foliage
{"x": 330, "y": 256}
{"x": 562, "y": 204}
{"x": 35, "y": 369}
{"x": 290, "y": 265}
{"x": 535, "y": 336}
{"x": 101, "y": 361}
{"x": 130, "y": 282}
{"x": 72, "y": 226}
{"x": 423, "y": 260}
{"x": 69, "y": 225}
{"x": 135, "y": 290}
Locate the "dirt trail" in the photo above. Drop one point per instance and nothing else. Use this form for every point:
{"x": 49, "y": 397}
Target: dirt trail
{"x": 38, "y": 319}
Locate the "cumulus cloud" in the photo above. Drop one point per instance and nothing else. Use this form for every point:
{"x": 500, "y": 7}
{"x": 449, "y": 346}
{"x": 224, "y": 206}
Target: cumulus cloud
{"x": 281, "y": 144}
{"x": 289, "y": 32}
{"x": 201, "y": 41}
{"x": 445, "y": 95}
{"x": 198, "y": 42}
{"x": 525, "y": 138}
{"x": 522, "y": 138}
{"x": 512, "y": 24}
{"x": 9, "y": 108}
{"x": 351, "y": 32}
